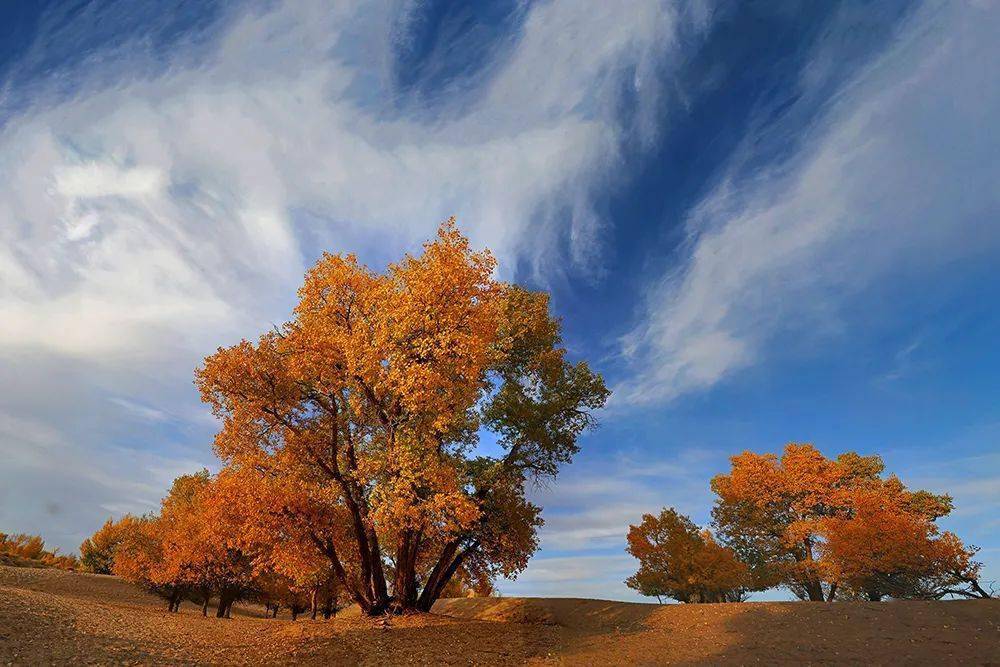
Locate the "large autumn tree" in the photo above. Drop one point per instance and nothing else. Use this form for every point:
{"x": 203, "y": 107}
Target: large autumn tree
{"x": 361, "y": 415}
{"x": 679, "y": 561}
{"x": 819, "y": 525}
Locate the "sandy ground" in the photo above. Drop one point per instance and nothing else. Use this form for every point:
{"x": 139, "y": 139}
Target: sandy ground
{"x": 53, "y": 617}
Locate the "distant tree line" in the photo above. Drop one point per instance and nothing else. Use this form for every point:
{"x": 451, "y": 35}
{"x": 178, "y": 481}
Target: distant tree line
{"x": 825, "y": 529}
{"x": 22, "y": 550}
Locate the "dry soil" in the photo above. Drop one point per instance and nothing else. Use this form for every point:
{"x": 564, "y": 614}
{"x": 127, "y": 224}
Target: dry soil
{"x": 54, "y": 617}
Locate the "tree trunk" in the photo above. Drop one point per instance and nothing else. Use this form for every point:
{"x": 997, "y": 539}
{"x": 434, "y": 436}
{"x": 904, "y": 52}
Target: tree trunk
{"x": 312, "y": 602}
{"x": 204, "y": 607}
{"x": 226, "y": 599}
{"x": 359, "y": 595}
{"x": 404, "y": 586}
{"x": 813, "y": 586}
{"x": 449, "y": 562}
{"x": 815, "y": 589}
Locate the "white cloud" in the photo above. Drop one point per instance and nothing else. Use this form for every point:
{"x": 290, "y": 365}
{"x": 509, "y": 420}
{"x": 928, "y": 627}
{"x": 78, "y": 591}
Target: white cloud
{"x": 106, "y": 180}
{"x": 141, "y": 411}
{"x": 592, "y": 505}
{"x": 601, "y": 577}
{"x": 894, "y": 181}
{"x": 158, "y": 204}
{"x": 178, "y": 191}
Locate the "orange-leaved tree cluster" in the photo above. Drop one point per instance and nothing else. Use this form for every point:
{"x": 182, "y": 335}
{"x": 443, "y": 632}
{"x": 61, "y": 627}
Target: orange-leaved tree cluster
{"x": 97, "y": 552}
{"x": 20, "y": 549}
{"x": 202, "y": 545}
{"x": 679, "y": 561}
{"x": 349, "y": 437}
{"x": 823, "y": 528}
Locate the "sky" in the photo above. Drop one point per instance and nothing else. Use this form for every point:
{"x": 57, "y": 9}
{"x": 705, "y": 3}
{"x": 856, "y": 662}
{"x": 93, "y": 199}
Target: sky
{"x": 763, "y": 222}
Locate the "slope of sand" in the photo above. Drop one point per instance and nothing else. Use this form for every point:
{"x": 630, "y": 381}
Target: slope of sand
{"x": 48, "y": 616}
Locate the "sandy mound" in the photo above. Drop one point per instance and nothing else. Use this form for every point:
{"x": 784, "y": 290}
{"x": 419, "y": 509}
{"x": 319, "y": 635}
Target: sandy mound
{"x": 575, "y": 613}
{"x": 54, "y": 617}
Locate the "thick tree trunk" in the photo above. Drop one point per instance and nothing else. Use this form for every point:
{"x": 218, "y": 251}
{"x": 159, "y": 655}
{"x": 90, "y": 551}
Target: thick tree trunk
{"x": 362, "y": 596}
{"x": 374, "y": 599}
{"x": 226, "y": 600}
{"x": 446, "y": 567}
{"x": 405, "y": 583}
{"x": 815, "y": 590}
{"x": 175, "y": 601}
{"x": 813, "y": 586}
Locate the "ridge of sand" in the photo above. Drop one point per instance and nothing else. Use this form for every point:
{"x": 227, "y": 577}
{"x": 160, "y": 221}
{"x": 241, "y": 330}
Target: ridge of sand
{"x": 55, "y": 617}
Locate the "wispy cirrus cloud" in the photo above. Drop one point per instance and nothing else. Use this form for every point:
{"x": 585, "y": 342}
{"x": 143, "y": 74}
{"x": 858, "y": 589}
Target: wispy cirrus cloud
{"x": 896, "y": 179}
{"x": 163, "y": 193}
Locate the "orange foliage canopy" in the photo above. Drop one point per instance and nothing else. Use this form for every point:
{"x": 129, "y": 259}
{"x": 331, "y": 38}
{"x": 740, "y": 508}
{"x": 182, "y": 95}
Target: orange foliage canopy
{"x": 817, "y": 524}
{"x": 358, "y": 421}
{"x": 97, "y": 552}
{"x": 882, "y": 547}
{"x": 679, "y": 561}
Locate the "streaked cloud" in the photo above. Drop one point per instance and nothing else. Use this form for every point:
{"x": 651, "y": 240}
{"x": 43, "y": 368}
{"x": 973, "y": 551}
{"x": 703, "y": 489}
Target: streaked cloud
{"x": 894, "y": 181}
{"x": 158, "y": 203}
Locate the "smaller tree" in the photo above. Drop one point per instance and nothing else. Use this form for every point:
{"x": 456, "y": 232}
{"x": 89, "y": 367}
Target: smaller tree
{"x": 679, "y": 561}
{"x": 469, "y": 584}
{"x": 139, "y": 560}
{"x": 97, "y": 552}
{"x": 826, "y": 527}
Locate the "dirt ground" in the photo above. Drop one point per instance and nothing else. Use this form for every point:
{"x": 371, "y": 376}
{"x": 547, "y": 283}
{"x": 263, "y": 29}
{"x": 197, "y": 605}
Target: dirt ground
{"x": 54, "y": 617}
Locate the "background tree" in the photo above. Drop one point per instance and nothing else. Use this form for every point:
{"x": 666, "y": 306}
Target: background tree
{"x": 885, "y": 548}
{"x": 679, "y": 561}
{"x": 193, "y": 549}
{"x": 814, "y": 525}
{"x": 22, "y": 550}
{"x": 97, "y": 552}
{"x": 139, "y": 559}
{"x": 370, "y": 401}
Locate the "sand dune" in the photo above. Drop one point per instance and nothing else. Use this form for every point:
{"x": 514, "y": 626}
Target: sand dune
{"x": 48, "y": 616}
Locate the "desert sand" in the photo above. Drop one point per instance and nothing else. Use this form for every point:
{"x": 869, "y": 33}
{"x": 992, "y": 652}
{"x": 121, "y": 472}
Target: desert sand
{"x": 50, "y": 616}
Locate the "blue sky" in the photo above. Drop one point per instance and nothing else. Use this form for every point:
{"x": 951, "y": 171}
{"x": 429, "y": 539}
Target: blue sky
{"x": 763, "y": 222}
